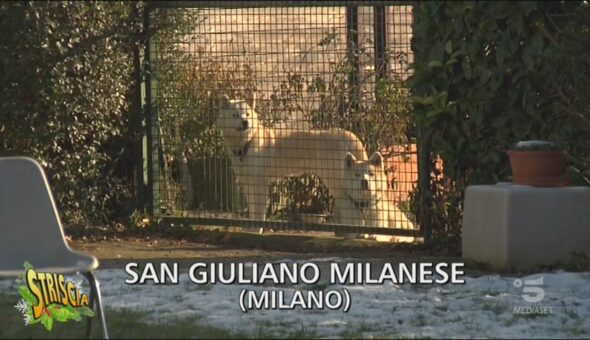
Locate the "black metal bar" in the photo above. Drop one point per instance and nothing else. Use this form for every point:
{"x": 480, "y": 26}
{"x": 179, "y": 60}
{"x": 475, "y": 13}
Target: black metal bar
{"x": 152, "y": 162}
{"x": 424, "y": 180}
{"x": 271, "y": 3}
{"x": 380, "y": 35}
{"x": 425, "y": 167}
{"x": 353, "y": 45}
{"x": 281, "y": 225}
{"x": 138, "y": 117}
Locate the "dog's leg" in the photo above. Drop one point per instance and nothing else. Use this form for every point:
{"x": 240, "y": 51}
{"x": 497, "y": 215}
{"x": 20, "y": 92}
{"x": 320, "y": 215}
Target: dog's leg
{"x": 250, "y": 196}
{"x": 259, "y": 203}
{"x": 379, "y": 215}
{"x": 256, "y": 195}
{"x": 376, "y": 216}
{"x": 345, "y": 213}
{"x": 337, "y": 216}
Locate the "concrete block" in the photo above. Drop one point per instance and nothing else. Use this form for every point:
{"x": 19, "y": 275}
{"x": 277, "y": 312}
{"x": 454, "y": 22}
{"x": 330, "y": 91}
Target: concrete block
{"x": 511, "y": 226}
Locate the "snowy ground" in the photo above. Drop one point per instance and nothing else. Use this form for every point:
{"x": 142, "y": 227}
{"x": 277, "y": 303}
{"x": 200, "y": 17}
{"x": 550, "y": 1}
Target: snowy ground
{"x": 483, "y": 307}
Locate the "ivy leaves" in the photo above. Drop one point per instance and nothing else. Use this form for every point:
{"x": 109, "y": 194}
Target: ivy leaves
{"x": 485, "y": 78}
{"x": 65, "y": 72}
{"x": 488, "y": 74}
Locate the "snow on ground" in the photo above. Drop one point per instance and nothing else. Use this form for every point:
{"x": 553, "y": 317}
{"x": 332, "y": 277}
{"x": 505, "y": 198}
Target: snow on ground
{"x": 483, "y": 307}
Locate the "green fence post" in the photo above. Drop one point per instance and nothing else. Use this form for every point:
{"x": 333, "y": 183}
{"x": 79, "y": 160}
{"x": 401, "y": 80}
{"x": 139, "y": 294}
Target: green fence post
{"x": 153, "y": 159}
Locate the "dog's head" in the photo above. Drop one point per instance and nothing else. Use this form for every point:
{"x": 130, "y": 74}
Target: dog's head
{"x": 365, "y": 180}
{"x": 238, "y": 121}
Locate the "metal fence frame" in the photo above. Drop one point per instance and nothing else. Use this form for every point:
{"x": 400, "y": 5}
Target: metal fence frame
{"x": 151, "y": 142}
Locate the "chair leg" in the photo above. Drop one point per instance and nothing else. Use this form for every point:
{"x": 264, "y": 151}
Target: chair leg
{"x": 91, "y": 306}
{"x": 95, "y": 295}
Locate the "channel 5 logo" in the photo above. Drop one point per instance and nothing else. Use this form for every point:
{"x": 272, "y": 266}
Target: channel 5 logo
{"x": 531, "y": 289}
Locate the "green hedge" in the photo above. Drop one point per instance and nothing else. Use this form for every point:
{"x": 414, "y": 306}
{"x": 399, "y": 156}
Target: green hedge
{"x": 66, "y": 76}
{"x": 488, "y": 74}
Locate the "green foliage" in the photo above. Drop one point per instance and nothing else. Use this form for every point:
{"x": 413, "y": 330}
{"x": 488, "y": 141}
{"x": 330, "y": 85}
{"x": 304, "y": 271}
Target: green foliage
{"x": 379, "y": 123}
{"x": 579, "y": 262}
{"x": 376, "y": 110}
{"x": 66, "y": 73}
{"x": 302, "y": 194}
{"x": 488, "y": 74}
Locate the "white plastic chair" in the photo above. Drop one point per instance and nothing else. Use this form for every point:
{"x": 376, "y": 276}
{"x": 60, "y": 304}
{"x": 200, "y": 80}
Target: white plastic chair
{"x": 30, "y": 230}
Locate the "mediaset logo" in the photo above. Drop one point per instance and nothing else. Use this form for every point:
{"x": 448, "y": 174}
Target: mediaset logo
{"x": 533, "y": 293}
{"x": 48, "y": 297}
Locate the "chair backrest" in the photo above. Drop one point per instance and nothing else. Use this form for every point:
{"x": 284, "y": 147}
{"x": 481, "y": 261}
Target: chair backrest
{"x": 30, "y": 227}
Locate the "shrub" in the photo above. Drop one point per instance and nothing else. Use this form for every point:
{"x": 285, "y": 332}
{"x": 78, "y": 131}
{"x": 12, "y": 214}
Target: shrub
{"x": 66, "y": 73}
{"x": 488, "y": 74}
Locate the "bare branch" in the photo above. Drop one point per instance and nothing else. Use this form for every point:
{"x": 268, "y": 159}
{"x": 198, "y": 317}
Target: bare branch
{"x": 548, "y": 35}
{"x": 569, "y": 107}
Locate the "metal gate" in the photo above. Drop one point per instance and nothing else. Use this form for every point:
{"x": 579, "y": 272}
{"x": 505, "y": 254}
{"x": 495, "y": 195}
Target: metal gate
{"x": 329, "y": 144}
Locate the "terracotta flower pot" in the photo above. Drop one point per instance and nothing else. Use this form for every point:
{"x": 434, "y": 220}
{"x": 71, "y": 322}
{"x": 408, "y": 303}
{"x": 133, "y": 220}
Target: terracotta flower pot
{"x": 540, "y": 168}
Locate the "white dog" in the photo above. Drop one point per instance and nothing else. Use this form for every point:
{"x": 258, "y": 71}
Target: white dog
{"x": 365, "y": 190}
{"x": 372, "y": 207}
{"x": 261, "y": 155}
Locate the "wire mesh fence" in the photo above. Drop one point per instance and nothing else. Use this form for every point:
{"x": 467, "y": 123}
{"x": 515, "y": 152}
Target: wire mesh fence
{"x": 283, "y": 113}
